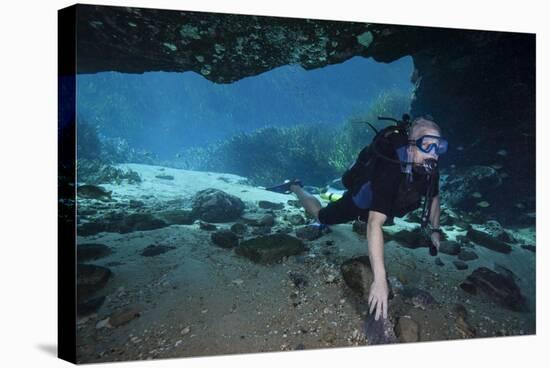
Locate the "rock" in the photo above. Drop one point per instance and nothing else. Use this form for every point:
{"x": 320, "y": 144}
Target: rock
{"x": 359, "y": 227}
{"x": 91, "y": 228}
{"x": 177, "y": 217}
{"x": 469, "y": 288}
{"x": 141, "y": 222}
{"x": 449, "y": 247}
{"x": 379, "y": 332}
{"x": 529, "y": 247}
{"x": 124, "y": 316}
{"x": 294, "y": 203}
{"x": 93, "y": 192}
{"x": 299, "y": 280}
{"x": 225, "y": 239}
{"x": 409, "y": 239}
{"x": 213, "y": 205}
{"x": 267, "y": 220}
{"x": 155, "y": 250}
{"x": 262, "y": 230}
{"x": 464, "y": 328}
{"x": 407, "y": 330}
{"x": 418, "y": 297}
{"x": 358, "y": 276}
{"x": 467, "y": 255}
{"x": 460, "y": 265}
{"x": 239, "y": 229}
{"x": 91, "y": 251}
{"x": 499, "y": 288}
{"x": 270, "y": 248}
{"x": 462, "y": 239}
{"x": 89, "y": 306}
{"x": 439, "y": 262}
{"x": 270, "y": 205}
{"x": 90, "y": 279}
{"x": 311, "y": 232}
{"x": 206, "y": 226}
{"x": 495, "y": 230}
{"x": 295, "y": 219}
{"x": 488, "y": 242}
{"x": 506, "y": 272}
{"x": 164, "y": 177}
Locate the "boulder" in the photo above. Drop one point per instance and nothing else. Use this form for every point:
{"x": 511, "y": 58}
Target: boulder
{"x": 379, "y": 332}
{"x": 460, "y": 265}
{"x": 485, "y": 240}
{"x": 90, "y": 279}
{"x": 311, "y": 232}
{"x": 449, "y": 247}
{"x": 467, "y": 255}
{"x": 225, "y": 239}
{"x": 407, "y": 329}
{"x": 270, "y": 248}
{"x": 270, "y": 205}
{"x": 499, "y": 288}
{"x": 91, "y": 251}
{"x": 213, "y": 205}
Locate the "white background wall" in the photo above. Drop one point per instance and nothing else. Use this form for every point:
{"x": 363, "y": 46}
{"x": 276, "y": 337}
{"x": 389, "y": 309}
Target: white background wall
{"x": 28, "y": 143}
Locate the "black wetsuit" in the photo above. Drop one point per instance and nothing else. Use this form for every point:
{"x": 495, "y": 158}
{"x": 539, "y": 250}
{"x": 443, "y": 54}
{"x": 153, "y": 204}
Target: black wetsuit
{"x": 387, "y": 192}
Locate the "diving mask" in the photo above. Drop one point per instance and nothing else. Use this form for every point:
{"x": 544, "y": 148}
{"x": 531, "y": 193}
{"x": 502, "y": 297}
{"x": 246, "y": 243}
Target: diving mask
{"x": 429, "y": 143}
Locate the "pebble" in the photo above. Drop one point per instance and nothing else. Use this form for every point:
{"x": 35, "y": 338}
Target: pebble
{"x": 177, "y": 343}
{"x": 103, "y": 324}
{"x": 185, "y": 331}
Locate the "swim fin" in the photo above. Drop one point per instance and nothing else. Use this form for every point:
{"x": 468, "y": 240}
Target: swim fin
{"x": 284, "y": 188}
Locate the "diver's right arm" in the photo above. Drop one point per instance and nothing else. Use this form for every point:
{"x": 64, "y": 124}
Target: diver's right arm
{"x": 378, "y": 293}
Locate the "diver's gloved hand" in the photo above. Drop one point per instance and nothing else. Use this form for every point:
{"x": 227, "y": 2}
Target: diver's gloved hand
{"x": 435, "y": 239}
{"x": 378, "y": 298}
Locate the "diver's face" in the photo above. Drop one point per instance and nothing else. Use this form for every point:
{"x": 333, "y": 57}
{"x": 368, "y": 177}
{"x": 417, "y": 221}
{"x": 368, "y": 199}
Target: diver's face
{"x": 420, "y": 157}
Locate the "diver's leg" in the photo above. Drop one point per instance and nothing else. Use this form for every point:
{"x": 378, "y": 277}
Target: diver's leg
{"x": 308, "y": 201}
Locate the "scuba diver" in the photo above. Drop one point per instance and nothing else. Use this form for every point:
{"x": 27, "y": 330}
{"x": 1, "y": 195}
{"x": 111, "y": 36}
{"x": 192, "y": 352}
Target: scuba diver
{"x": 388, "y": 179}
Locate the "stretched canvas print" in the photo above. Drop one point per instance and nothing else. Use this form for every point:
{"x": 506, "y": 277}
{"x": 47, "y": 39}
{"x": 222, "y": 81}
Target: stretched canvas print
{"x": 234, "y": 184}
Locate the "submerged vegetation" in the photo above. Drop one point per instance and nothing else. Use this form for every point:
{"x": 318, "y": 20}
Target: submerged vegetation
{"x": 314, "y": 153}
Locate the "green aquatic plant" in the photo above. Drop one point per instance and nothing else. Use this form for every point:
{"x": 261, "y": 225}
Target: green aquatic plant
{"x": 314, "y": 153}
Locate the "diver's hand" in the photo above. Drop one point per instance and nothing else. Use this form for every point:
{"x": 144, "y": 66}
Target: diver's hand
{"x": 378, "y": 298}
{"x": 435, "y": 238}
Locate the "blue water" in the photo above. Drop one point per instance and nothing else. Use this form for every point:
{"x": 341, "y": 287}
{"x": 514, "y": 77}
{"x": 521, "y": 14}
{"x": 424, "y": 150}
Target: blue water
{"x": 165, "y": 113}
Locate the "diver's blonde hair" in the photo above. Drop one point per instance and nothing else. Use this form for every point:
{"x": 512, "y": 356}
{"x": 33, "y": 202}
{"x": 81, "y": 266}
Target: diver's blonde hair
{"x": 421, "y": 124}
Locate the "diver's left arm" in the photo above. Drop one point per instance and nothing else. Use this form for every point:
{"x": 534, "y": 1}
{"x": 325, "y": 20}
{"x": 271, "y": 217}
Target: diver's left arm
{"x": 434, "y": 220}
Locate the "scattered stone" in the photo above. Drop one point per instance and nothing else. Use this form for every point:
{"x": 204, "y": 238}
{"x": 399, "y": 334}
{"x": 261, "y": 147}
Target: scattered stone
{"x": 499, "y": 288}
{"x": 270, "y": 205}
{"x": 260, "y": 231}
{"x": 164, "y": 177}
{"x": 90, "y": 279}
{"x": 270, "y": 248}
{"x": 379, "y": 332}
{"x": 485, "y": 240}
{"x": 418, "y": 297}
{"x": 311, "y": 232}
{"x": 460, "y": 265}
{"x": 407, "y": 329}
{"x": 529, "y": 247}
{"x": 299, "y": 280}
{"x": 141, "y": 222}
{"x": 267, "y": 220}
{"x": 295, "y": 219}
{"x": 93, "y": 192}
{"x": 91, "y": 251}
{"x": 467, "y": 255}
{"x": 225, "y": 239}
{"x": 89, "y": 306}
{"x": 206, "y": 226}
{"x": 409, "y": 239}
{"x": 213, "y": 205}
{"x": 124, "y": 316}
{"x": 238, "y": 228}
{"x": 469, "y": 288}
{"x": 155, "y": 250}
{"x": 439, "y": 262}
{"x": 449, "y": 247}
{"x": 357, "y": 274}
